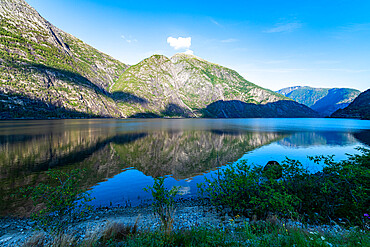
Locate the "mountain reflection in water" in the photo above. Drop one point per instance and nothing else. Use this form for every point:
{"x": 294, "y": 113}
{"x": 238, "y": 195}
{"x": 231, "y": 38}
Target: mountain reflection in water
{"x": 180, "y": 148}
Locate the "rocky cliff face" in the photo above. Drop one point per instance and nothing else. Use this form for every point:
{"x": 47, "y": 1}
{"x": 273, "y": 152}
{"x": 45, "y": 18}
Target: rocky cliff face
{"x": 45, "y": 72}
{"x": 359, "y": 108}
{"x": 323, "y": 100}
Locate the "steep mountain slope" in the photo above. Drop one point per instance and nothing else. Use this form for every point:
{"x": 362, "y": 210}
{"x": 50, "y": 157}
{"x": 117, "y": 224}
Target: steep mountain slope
{"x": 47, "y": 72}
{"x": 185, "y": 85}
{"x": 323, "y": 100}
{"x": 359, "y": 108}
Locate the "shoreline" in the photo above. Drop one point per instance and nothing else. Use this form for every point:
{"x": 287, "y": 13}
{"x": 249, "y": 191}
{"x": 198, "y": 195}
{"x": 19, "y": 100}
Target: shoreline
{"x": 188, "y": 214}
{"x": 14, "y": 230}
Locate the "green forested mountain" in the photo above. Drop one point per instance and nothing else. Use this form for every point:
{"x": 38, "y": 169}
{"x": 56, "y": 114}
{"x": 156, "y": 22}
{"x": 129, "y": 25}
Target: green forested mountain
{"x": 47, "y": 73}
{"x": 359, "y": 108}
{"x": 323, "y": 100}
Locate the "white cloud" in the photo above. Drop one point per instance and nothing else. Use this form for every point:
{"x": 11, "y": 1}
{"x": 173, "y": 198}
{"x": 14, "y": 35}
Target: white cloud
{"x": 128, "y": 39}
{"x": 284, "y": 27}
{"x": 179, "y": 43}
{"x": 189, "y": 52}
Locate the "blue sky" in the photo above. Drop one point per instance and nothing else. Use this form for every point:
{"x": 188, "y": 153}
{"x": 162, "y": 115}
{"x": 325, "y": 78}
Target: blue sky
{"x": 275, "y": 44}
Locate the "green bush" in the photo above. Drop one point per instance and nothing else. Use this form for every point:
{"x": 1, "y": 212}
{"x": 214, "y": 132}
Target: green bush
{"x": 244, "y": 190}
{"x": 340, "y": 192}
{"x": 342, "y": 189}
{"x": 62, "y": 198}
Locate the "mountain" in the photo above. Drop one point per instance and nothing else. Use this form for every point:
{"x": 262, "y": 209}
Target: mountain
{"x": 48, "y": 73}
{"x": 45, "y": 72}
{"x": 359, "y": 108}
{"x": 186, "y": 85}
{"x": 323, "y": 100}
{"x": 239, "y": 109}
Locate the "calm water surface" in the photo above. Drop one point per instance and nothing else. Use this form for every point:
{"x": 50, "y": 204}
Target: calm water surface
{"x": 123, "y": 156}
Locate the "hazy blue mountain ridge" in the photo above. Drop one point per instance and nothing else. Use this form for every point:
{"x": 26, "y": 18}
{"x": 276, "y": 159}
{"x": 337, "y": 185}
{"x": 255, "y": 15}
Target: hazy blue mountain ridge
{"x": 323, "y": 100}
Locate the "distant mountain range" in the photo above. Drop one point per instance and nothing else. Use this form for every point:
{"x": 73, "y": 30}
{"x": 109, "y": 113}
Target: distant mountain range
{"x": 359, "y": 108}
{"x": 323, "y": 100}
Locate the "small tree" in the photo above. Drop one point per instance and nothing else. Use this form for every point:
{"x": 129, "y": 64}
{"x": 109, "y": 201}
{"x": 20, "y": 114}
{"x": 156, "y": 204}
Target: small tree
{"x": 62, "y": 197}
{"x": 164, "y": 202}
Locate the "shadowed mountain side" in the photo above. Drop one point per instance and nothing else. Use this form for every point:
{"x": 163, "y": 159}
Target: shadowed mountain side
{"x": 309, "y": 139}
{"x": 13, "y": 106}
{"x": 189, "y": 153}
{"x": 359, "y": 108}
{"x": 174, "y": 110}
{"x": 337, "y": 98}
{"x": 239, "y": 109}
{"x": 125, "y": 97}
{"x": 44, "y": 89}
{"x": 145, "y": 115}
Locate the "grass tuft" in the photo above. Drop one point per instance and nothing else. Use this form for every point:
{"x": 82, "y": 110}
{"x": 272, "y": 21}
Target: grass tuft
{"x": 118, "y": 231}
{"x": 37, "y": 239}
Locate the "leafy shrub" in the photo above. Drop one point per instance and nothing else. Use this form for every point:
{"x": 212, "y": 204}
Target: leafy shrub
{"x": 164, "y": 201}
{"x": 63, "y": 200}
{"x": 341, "y": 190}
{"x": 245, "y": 190}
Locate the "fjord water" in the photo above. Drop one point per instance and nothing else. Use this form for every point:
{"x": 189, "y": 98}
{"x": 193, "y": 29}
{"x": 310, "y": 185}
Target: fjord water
{"x": 122, "y": 156}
